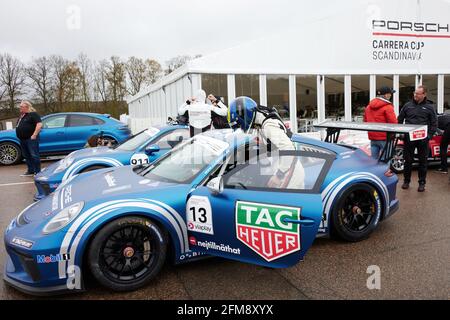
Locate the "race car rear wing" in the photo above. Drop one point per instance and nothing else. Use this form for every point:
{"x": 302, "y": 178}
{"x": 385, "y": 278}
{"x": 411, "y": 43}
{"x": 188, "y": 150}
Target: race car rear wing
{"x": 415, "y": 132}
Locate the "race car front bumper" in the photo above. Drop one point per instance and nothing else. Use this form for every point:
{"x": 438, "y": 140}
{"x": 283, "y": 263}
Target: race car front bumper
{"x": 24, "y": 275}
{"x": 32, "y": 263}
{"x": 393, "y": 207}
{"x": 37, "y": 291}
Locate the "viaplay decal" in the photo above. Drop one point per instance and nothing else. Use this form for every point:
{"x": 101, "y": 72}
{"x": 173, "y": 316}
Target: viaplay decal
{"x": 262, "y": 228}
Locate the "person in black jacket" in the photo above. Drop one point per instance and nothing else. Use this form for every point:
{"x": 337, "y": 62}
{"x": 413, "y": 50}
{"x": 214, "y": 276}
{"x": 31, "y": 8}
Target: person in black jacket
{"x": 418, "y": 111}
{"x": 219, "y": 122}
{"x": 444, "y": 124}
{"x": 27, "y": 130}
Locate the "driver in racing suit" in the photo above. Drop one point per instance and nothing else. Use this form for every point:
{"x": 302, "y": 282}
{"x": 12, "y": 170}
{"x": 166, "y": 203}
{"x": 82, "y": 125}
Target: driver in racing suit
{"x": 248, "y": 115}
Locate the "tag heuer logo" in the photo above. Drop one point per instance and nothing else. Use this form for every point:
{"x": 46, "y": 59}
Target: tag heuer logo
{"x": 262, "y": 228}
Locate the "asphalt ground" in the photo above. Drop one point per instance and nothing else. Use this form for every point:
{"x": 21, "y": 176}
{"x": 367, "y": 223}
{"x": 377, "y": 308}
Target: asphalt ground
{"x": 411, "y": 250}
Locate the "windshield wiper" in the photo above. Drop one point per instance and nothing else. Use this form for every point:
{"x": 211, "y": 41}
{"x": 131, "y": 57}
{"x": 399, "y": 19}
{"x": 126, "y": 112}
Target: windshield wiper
{"x": 139, "y": 169}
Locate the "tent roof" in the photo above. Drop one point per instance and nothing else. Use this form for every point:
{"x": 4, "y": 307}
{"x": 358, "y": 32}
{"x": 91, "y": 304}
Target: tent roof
{"x": 339, "y": 43}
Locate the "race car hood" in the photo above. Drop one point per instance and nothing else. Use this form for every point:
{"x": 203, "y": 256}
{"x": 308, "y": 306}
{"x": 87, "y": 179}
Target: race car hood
{"x": 96, "y": 152}
{"x": 97, "y": 186}
{"x": 74, "y": 157}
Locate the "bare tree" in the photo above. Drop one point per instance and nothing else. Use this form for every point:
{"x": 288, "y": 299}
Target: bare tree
{"x": 39, "y": 73}
{"x": 154, "y": 71}
{"x": 12, "y": 77}
{"x": 73, "y": 88}
{"x": 60, "y": 84}
{"x": 2, "y": 86}
{"x": 60, "y": 79}
{"x": 136, "y": 70}
{"x": 116, "y": 79}
{"x": 179, "y": 61}
{"x": 101, "y": 87}
{"x": 2, "y": 93}
{"x": 85, "y": 74}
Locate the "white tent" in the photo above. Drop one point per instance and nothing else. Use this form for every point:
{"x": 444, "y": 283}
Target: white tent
{"x": 370, "y": 37}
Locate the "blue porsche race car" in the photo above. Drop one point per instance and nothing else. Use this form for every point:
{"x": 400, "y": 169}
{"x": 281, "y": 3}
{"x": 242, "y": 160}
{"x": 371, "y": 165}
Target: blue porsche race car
{"x": 143, "y": 148}
{"x": 209, "y": 196}
{"x": 63, "y": 133}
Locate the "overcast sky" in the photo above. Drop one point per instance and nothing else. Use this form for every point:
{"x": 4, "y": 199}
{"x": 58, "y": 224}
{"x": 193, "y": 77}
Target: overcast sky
{"x": 148, "y": 29}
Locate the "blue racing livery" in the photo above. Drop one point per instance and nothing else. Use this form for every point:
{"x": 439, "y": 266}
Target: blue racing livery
{"x": 63, "y": 133}
{"x": 143, "y": 148}
{"x": 207, "y": 197}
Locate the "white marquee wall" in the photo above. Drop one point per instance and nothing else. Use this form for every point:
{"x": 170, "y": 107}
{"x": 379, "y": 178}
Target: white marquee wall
{"x": 341, "y": 44}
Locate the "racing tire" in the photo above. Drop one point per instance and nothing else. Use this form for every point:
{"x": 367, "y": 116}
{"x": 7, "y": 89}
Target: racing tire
{"x": 357, "y": 213}
{"x": 10, "y": 153}
{"x": 127, "y": 253}
{"x": 398, "y": 161}
{"x": 92, "y": 168}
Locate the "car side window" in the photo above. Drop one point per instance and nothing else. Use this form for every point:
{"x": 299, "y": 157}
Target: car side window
{"x": 169, "y": 141}
{"x": 54, "y": 122}
{"x": 80, "y": 121}
{"x": 98, "y": 121}
{"x": 257, "y": 172}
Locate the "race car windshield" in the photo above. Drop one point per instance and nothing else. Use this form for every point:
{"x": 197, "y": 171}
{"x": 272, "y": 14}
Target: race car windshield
{"x": 185, "y": 163}
{"x": 138, "y": 140}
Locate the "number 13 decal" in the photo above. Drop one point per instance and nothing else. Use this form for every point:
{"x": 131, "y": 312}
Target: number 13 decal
{"x": 199, "y": 215}
{"x": 202, "y": 212}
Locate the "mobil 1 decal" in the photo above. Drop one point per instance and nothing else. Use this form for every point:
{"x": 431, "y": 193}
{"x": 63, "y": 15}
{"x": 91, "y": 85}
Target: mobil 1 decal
{"x": 262, "y": 228}
{"x": 199, "y": 216}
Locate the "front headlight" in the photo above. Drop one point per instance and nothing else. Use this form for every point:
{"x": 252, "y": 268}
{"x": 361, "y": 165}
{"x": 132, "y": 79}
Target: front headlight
{"x": 63, "y": 218}
{"x": 20, "y": 220}
{"x": 64, "y": 164}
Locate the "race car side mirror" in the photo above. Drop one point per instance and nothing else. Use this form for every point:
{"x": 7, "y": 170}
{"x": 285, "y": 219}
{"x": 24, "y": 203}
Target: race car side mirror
{"x": 215, "y": 186}
{"x": 152, "y": 149}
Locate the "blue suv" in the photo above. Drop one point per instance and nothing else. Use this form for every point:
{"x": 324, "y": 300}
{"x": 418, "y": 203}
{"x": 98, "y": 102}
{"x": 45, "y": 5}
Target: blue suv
{"x": 63, "y": 133}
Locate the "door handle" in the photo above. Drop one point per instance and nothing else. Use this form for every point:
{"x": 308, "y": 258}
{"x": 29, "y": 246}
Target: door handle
{"x": 60, "y": 133}
{"x": 303, "y": 222}
{"x": 94, "y": 129}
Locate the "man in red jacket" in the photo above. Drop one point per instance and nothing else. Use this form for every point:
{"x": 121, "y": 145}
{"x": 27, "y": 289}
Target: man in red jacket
{"x": 380, "y": 110}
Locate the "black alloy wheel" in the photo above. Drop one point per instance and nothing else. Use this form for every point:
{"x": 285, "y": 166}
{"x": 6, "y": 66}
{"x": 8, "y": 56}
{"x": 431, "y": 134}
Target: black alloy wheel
{"x": 357, "y": 213}
{"x": 127, "y": 253}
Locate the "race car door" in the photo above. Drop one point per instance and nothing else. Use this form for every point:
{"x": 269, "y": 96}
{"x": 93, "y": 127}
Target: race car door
{"x": 257, "y": 218}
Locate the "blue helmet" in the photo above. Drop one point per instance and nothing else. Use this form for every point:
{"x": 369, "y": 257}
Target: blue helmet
{"x": 242, "y": 111}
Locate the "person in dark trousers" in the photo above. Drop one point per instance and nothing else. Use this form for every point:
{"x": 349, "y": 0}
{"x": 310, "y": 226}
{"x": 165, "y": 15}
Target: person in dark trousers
{"x": 27, "y": 130}
{"x": 444, "y": 124}
{"x": 380, "y": 110}
{"x": 418, "y": 111}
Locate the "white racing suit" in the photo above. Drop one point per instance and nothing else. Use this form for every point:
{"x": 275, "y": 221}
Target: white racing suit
{"x": 200, "y": 112}
{"x": 274, "y": 133}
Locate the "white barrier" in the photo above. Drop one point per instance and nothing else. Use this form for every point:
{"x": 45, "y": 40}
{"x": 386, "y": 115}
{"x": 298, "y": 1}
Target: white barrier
{"x": 124, "y": 118}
